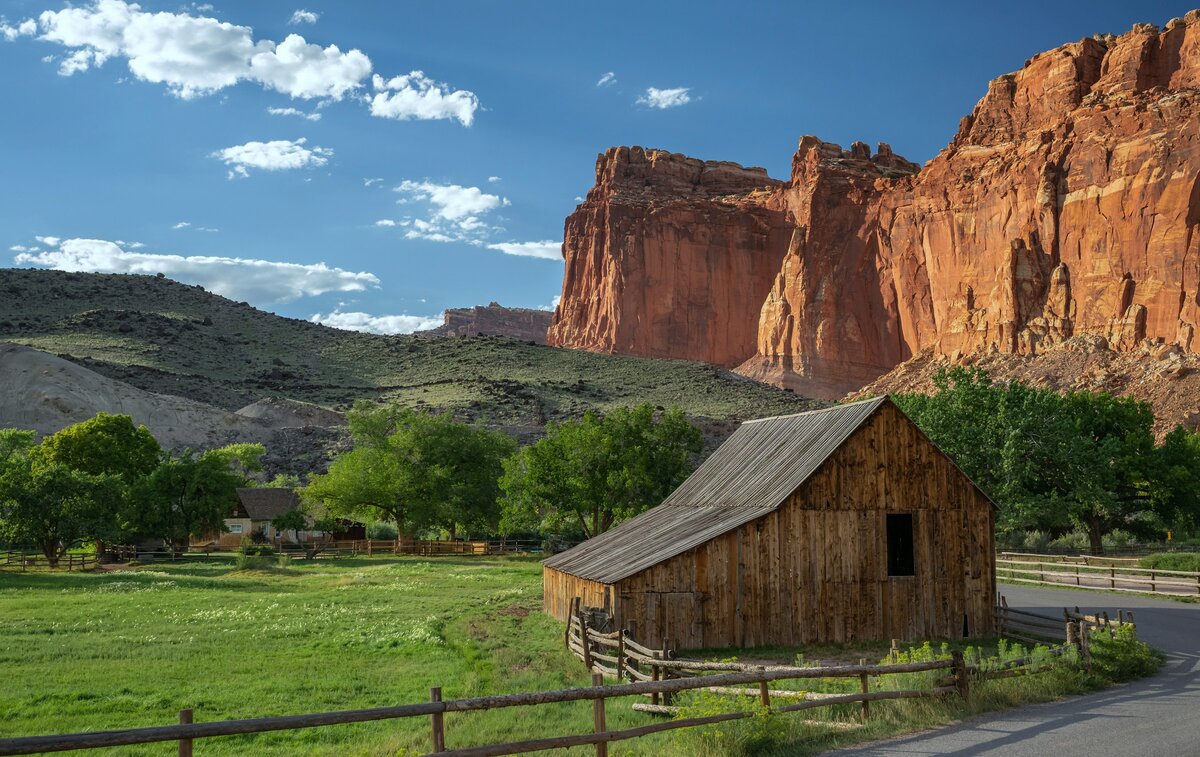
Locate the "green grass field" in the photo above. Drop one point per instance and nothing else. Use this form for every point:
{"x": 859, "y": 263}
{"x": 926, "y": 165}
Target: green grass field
{"x": 130, "y": 648}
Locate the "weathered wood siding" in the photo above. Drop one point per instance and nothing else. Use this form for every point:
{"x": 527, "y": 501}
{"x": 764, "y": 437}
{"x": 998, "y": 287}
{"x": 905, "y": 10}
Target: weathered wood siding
{"x": 815, "y": 569}
{"x": 559, "y": 588}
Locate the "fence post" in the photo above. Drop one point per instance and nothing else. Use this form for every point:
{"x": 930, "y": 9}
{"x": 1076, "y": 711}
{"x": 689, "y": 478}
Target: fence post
{"x": 654, "y": 673}
{"x": 585, "y": 642}
{"x": 668, "y": 653}
{"x": 570, "y": 616}
{"x": 598, "y": 713}
{"x": 620, "y": 654}
{"x": 862, "y": 678}
{"x": 1072, "y": 634}
{"x": 764, "y": 693}
{"x": 960, "y": 675}
{"x": 438, "y": 726}
{"x": 185, "y": 745}
{"x": 1112, "y": 577}
{"x": 1152, "y": 580}
{"x": 895, "y": 651}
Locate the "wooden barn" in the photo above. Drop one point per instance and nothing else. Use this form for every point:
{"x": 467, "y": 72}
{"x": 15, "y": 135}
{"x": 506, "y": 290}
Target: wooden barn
{"x": 828, "y": 526}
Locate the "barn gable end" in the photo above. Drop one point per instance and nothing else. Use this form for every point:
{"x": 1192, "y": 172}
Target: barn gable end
{"x": 813, "y": 567}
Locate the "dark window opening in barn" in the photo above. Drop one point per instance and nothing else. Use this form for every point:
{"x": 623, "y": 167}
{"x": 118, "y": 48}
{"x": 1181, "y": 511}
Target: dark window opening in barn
{"x": 900, "y": 545}
{"x": 966, "y": 627}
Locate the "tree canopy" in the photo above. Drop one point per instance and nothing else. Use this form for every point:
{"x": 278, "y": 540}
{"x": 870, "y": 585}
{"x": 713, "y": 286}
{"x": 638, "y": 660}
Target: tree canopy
{"x": 587, "y": 475}
{"x": 418, "y": 470}
{"x": 1060, "y": 462}
{"x": 104, "y": 444}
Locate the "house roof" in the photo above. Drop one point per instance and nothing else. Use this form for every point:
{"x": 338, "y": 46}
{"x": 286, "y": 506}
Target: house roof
{"x": 751, "y": 474}
{"x": 267, "y": 504}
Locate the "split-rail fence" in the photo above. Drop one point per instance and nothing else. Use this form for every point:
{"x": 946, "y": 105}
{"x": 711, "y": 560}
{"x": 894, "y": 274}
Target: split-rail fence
{"x": 657, "y": 674}
{"x": 1088, "y": 572}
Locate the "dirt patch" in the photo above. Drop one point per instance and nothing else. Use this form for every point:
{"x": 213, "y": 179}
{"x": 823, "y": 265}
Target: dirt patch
{"x": 515, "y": 611}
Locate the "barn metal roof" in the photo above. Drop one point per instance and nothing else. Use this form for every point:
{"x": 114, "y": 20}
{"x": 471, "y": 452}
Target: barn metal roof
{"x": 751, "y": 474}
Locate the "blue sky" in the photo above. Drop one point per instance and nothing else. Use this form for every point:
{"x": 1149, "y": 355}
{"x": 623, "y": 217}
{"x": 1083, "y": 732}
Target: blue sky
{"x": 142, "y": 138}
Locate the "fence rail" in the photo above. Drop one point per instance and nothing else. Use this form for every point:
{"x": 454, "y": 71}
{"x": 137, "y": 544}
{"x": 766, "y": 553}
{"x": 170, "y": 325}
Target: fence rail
{"x": 1049, "y": 572}
{"x": 670, "y": 676}
{"x": 25, "y": 561}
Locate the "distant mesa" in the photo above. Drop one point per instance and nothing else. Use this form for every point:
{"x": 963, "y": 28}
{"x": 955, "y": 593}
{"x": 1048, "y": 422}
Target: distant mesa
{"x": 1067, "y": 205}
{"x": 525, "y": 324}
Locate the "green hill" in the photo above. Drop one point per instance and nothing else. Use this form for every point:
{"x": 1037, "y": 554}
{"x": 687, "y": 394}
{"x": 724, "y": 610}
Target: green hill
{"x": 167, "y": 337}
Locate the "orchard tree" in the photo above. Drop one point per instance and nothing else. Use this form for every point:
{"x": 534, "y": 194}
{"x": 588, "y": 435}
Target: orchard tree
{"x": 416, "y": 470}
{"x": 590, "y": 474}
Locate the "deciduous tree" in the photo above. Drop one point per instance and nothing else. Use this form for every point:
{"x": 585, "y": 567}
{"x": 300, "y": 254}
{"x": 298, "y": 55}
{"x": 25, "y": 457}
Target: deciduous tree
{"x": 590, "y": 474}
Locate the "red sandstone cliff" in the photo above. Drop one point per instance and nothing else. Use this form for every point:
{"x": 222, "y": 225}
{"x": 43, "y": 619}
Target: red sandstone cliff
{"x": 493, "y": 320}
{"x": 1067, "y": 204}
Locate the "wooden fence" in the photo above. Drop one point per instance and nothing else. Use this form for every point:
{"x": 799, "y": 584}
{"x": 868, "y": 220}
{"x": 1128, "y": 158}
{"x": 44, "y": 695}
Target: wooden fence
{"x": 187, "y": 731}
{"x": 1080, "y": 572}
{"x": 25, "y": 561}
{"x": 673, "y": 677}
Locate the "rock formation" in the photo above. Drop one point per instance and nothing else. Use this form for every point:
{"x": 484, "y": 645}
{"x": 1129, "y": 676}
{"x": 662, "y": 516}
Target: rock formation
{"x": 1067, "y": 204}
{"x": 493, "y": 320}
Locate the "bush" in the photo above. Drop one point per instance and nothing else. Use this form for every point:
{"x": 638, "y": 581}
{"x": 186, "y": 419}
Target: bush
{"x": 251, "y": 547}
{"x": 284, "y": 561}
{"x": 1172, "y": 561}
{"x": 382, "y": 530}
{"x": 252, "y": 562}
{"x": 1122, "y": 657}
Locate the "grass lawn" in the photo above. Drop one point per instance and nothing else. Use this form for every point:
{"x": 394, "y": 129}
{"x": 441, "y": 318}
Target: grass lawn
{"x": 130, "y": 648}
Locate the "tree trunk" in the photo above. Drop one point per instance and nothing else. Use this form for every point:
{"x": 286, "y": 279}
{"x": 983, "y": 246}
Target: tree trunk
{"x": 1095, "y": 536}
{"x": 50, "y": 550}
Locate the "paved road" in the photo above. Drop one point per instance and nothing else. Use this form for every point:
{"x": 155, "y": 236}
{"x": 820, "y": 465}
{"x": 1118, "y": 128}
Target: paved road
{"x": 1154, "y": 716}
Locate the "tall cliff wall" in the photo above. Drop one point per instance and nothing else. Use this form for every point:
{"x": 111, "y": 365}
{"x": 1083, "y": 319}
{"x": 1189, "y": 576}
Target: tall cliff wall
{"x": 1068, "y": 203}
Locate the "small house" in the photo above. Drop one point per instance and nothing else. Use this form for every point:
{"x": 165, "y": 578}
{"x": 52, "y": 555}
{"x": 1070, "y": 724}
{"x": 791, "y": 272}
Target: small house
{"x": 833, "y": 525}
{"x": 257, "y": 508}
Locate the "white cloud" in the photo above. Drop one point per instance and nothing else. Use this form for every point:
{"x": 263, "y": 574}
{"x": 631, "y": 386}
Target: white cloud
{"x": 493, "y": 179}
{"x": 277, "y": 155}
{"x": 547, "y": 249}
{"x": 416, "y": 96}
{"x": 26, "y": 28}
{"x": 665, "y": 98}
{"x": 606, "y": 80}
{"x": 182, "y": 225}
{"x": 196, "y": 55}
{"x": 299, "y": 69}
{"x": 451, "y": 201}
{"x": 260, "y": 281}
{"x": 49, "y": 241}
{"x": 303, "y": 17}
{"x": 371, "y": 182}
{"x": 455, "y": 212}
{"x": 385, "y": 222}
{"x": 294, "y": 112}
{"x": 377, "y": 324}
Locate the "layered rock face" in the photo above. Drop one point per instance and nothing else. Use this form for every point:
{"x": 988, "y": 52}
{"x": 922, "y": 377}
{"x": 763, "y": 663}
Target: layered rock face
{"x": 494, "y": 320}
{"x": 670, "y": 256}
{"x": 1067, "y": 204}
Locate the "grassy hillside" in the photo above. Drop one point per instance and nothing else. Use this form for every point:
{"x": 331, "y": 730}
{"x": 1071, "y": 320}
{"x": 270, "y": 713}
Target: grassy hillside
{"x": 168, "y": 337}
